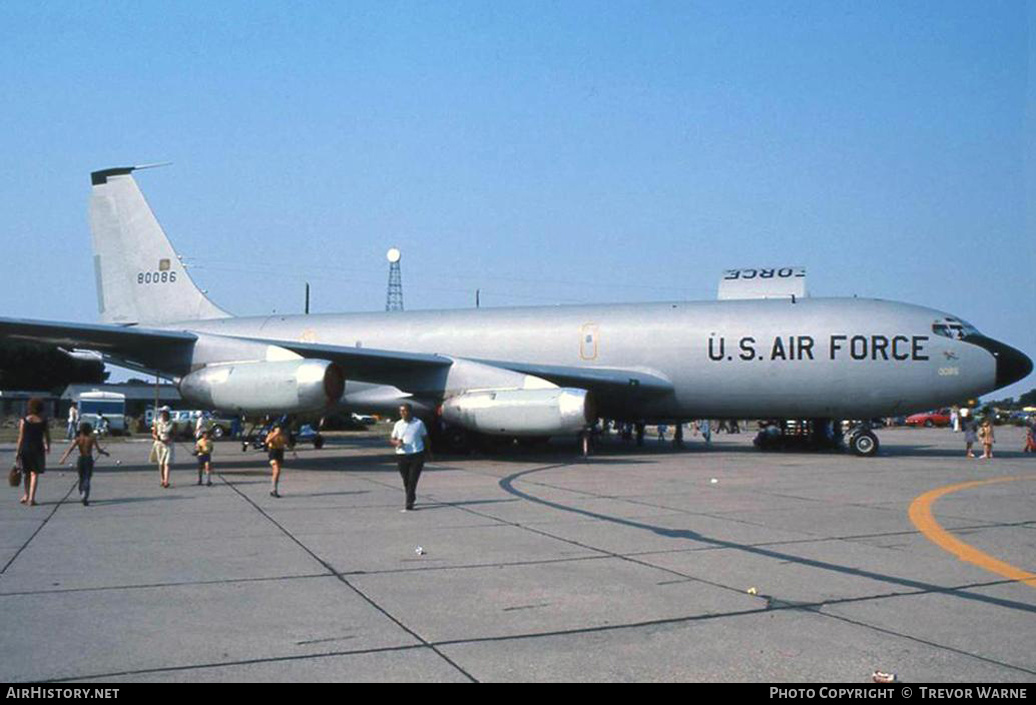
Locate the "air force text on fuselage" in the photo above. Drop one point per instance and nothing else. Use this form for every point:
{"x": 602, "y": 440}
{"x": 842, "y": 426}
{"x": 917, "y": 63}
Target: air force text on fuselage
{"x": 891, "y": 348}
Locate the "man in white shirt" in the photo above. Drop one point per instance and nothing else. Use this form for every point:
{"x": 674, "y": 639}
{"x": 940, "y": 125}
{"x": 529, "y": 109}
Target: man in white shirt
{"x": 203, "y": 424}
{"x": 409, "y": 436}
{"x": 73, "y": 421}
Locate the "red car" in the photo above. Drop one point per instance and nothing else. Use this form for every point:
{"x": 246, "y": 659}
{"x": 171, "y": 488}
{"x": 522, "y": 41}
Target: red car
{"x": 930, "y": 418}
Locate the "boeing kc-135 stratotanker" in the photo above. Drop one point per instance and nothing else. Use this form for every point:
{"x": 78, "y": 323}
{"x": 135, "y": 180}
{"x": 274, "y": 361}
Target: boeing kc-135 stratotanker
{"x": 764, "y": 350}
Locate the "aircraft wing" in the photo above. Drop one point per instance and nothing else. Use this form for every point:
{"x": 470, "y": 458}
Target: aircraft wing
{"x": 168, "y": 350}
{"x": 400, "y": 369}
{"x": 146, "y": 347}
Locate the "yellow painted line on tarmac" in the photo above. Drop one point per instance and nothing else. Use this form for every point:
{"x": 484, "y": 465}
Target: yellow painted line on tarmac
{"x": 921, "y": 516}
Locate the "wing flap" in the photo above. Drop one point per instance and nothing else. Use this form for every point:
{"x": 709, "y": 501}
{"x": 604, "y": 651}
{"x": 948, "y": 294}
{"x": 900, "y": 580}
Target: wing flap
{"x": 602, "y": 380}
{"x": 367, "y": 364}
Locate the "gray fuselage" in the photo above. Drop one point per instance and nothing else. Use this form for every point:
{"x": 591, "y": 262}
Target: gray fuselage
{"x": 810, "y": 358}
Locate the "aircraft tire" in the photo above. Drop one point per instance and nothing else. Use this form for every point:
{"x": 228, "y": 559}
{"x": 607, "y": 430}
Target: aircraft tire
{"x": 453, "y": 440}
{"x": 489, "y": 444}
{"x": 864, "y": 444}
{"x": 318, "y": 441}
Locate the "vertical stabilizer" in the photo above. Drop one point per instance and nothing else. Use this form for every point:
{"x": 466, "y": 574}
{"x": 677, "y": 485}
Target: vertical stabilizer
{"x": 139, "y": 277}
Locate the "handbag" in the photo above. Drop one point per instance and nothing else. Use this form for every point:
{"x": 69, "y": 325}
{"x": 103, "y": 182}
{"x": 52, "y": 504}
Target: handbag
{"x": 14, "y": 478}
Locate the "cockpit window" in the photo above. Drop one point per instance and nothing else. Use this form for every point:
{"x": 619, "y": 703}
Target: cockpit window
{"x": 953, "y": 328}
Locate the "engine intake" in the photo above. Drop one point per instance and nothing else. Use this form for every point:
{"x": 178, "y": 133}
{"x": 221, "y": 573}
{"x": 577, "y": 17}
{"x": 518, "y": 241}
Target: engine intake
{"x": 522, "y": 412}
{"x": 266, "y": 387}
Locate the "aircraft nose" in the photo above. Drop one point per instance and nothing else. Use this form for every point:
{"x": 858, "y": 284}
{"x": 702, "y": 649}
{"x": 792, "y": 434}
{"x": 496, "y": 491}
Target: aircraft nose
{"x": 1011, "y": 365}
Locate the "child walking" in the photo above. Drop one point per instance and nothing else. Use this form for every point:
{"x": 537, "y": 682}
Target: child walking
{"x": 988, "y": 438}
{"x": 203, "y": 449}
{"x": 276, "y": 442}
{"x": 86, "y": 442}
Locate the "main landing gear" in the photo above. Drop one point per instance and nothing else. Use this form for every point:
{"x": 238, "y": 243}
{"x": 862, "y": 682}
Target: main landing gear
{"x": 863, "y": 442}
{"x": 817, "y": 435}
{"x": 256, "y": 436}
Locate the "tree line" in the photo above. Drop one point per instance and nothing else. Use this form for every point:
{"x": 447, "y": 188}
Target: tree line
{"x": 1027, "y": 399}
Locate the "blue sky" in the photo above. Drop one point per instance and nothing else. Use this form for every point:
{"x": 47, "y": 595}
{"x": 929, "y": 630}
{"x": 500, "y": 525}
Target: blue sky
{"x": 544, "y": 152}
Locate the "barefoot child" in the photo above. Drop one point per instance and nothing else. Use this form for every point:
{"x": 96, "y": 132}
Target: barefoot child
{"x": 988, "y": 438}
{"x": 86, "y": 443}
{"x": 203, "y": 449}
{"x": 276, "y": 442}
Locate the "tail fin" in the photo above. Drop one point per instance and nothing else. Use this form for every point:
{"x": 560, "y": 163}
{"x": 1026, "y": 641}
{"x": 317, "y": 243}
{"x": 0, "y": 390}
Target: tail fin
{"x": 139, "y": 277}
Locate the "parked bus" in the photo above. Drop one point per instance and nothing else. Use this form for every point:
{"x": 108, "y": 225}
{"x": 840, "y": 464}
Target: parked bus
{"x": 111, "y": 405}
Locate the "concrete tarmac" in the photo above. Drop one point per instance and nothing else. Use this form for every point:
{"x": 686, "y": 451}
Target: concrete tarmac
{"x": 714, "y": 563}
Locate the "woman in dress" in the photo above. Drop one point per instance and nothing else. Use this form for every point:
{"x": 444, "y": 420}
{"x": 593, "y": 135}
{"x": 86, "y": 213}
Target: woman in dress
{"x": 162, "y": 450}
{"x": 33, "y": 447}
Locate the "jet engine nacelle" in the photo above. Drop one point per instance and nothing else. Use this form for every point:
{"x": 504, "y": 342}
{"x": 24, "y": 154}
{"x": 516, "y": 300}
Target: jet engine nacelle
{"x": 266, "y": 387}
{"x": 522, "y": 412}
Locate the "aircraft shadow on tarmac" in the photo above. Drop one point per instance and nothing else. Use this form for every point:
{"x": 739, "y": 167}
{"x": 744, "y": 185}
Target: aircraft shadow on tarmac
{"x": 469, "y": 503}
{"x": 888, "y": 450}
{"x": 316, "y": 494}
{"x": 539, "y": 458}
{"x": 257, "y": 463}
{"x": 508, "y": 485}
{"x": 228, "y": 459}
{"x": 921, "y": 451}
{"x": 137, "y": 500}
